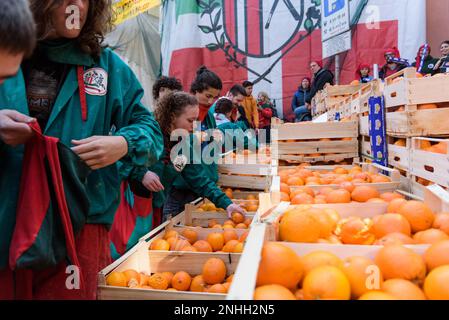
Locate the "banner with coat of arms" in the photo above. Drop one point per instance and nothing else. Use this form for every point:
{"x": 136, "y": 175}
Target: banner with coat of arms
{"x": 271, "y": 42}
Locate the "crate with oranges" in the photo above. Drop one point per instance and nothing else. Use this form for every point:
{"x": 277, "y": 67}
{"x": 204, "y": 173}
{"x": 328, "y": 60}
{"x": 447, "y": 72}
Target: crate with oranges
{"x": 291, "y": 271}
{"x": 315, "y": 179}
{"x": 416, "y": 105}
{"x": 158, "y": 275}
{"x": 314, "y": 142}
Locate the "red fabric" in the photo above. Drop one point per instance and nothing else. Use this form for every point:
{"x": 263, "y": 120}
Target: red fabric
{"x": 265, "y": 116}
{"x": 92, "y": 246}
{"x": 204, "y": 110}
{"x": 82, "y": 92}
{"x": 125, "y": 218}
{"x": 157, "y": 217}
{"x": 6, "y": 284}
{"x": 34, "y": 196}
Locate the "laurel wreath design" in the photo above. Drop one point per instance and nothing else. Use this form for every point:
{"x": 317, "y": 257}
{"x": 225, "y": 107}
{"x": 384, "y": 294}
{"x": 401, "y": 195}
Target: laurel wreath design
{"x": 213, "y": 8}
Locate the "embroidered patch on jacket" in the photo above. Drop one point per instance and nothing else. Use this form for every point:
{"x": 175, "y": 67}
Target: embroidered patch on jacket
{"x": 96, "y": 81}
{"x": 180, "y": 162}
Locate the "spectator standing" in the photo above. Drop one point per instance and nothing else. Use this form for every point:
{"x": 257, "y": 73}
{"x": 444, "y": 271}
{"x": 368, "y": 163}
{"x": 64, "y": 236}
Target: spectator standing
{"x": 266, "y": 112}
{"x": 249, "y": 104}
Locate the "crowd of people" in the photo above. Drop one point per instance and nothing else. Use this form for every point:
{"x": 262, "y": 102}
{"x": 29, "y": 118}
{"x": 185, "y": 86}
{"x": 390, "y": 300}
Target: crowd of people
{"x": 424, "y": 62}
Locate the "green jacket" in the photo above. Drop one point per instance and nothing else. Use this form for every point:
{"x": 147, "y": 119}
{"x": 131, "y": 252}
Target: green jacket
{"x": 119, "y": 112}
{"x": 235, "y": 135}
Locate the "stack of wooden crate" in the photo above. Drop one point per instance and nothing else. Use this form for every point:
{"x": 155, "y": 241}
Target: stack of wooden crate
{"x": 328, "y": 142}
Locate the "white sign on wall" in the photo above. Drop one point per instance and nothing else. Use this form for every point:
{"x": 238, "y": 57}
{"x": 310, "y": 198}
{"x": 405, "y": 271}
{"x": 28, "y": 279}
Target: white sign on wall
{"x": 337, "y": 44}
{"x": 334, "y": 18}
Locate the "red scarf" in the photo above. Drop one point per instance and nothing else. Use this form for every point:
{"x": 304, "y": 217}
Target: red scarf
{"x": 204, "y": 110}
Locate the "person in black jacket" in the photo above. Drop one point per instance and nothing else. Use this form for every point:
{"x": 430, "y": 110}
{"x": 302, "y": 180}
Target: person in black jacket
{"x": 321, "y": 77}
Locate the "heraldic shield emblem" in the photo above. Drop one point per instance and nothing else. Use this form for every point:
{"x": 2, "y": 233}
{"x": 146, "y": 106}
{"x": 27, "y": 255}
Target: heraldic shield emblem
{"x": 252, "y": 27}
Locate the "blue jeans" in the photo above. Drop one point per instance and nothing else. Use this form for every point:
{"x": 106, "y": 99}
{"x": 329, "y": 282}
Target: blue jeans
{"x": 176, "y": 202}
{"x": 302, "y": 114}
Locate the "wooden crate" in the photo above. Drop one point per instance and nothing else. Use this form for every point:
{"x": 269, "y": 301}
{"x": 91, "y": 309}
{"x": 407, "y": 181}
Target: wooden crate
{"x": 360, "y": 99}
{"x": 300, "y": 142}
{"x": 404, "y": 89}
{"x": 393, "y": 174}
{"x": 365, "y": 146}
{"x": 433, "y": 167}
{"x": 398, "y": 156}
{"x": 364, "y": 125}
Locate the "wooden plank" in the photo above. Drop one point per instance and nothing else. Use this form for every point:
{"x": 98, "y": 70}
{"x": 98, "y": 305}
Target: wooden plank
{"x": 318, "y": 147}
{"x": 328, "y": 157}
{"x": 341, "y": 90}
{"x": 244, "y": 283}
{"x": 309, "y": 130}
{"x": 247, "y": 168}
{"x": 253, "y": 183}
{"x": 364, "y": 125}
{"x": 117, "y": 293}
{"x": 428, "y": 90}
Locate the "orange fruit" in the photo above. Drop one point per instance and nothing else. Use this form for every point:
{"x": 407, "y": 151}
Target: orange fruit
{"x": 317, "y": 259}
{"x": 252, "y": 208}
{"x": 390, "y": 196}
{"x": 349, "y": 186}
{"x": 279, "y": 265}
{"x": 181, "y": 281}
{"x": 230, "y": 245}
{"x": 227, "y": 285}
{"x": 311, "y": 181}
{"x": 230, "y": 278}
{"x": 217, "y": 288}
{"x": 394, "y": 238}
{"x": 143, "y": 279}
{"x": 418, "y": 214}
{"x": 285, "y": 188}
{"x": 441, "y": 222}
{"x": 364, "y": 193}
{"x": 377, "y": 178}
{"x": 306, "y": 190}
{"x": 390, "y": 223}
{"x": 359, "y": 270}
{"x": 241, "y": 226}
{"x": 216, "y": 240}
{"x": 116, "y": 279}
{"x": 172, "y": 242}
{"x": 440, "y": 148}
{"x": 160, "y": 244}
{"x": 273, "y": 292}
{"x": 302, "y": 198}
{"x": 238, "y": 248}
{"x": 131, "y": 275}
{"x": 437, "y": 255}
{"x": 228, "y": 193}
{"x": 214, "y": 271}
{"x": 229, "y": 222}
{"x": 203, "y": 246}
{"x": 190, "y": 235}
{"x": 428, "y": 106}
{"x": 340, "y": 170}
{"x": 436, "y": 285}
{"x": 198, "y": 284}
{"x": 228, "y": 227}
{"x": 170, "y": 234}
{"x": 326, "y": 283}
{"x": 229, "y": 235}
{"x": 395, "y": 205}
{"x": 169, "y": 276}
{"x": 430, "y": 236}
{"x": 217, "y": 226}
{"x": 355, "y": 230}
{"x": 403, "y": 289}
{"x": 179, "y": 245}
{"x": 285, "y": 197}
{"x": 376, "y": 200}
{"x": 237, "y": 217}
{"x": 295, "y": 181}
{"x": 158, "y": 281}
{"x": 212, "y": 223}
{"x": 327, "y": 224}
{"x": 299, "y": 226}
{"x": 396, "y": 261}
{"x": 401, "y": 143}
{"x": 338, "y": 196}
{"x": 189, "y": 248}
{"x": 377, "y": 295}
{"x": 299, "y": 294}
{"x": 248, "y": 222}
{"x": 243, "y": 236}
{"x": 325, "y": 191}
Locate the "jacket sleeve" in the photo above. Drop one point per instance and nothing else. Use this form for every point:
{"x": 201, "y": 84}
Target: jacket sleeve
{"x": 322, "y": 80}
{"x": 138, "y": 126}
{"x": 294, "y": 102}
{"x": 255, "y": 114}
{"x": 267, "y": 113}
{"x": 199, "y": 183}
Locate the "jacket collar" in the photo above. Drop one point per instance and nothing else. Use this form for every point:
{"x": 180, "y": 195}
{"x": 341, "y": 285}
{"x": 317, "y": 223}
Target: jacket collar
{"x": 65, "y": 52}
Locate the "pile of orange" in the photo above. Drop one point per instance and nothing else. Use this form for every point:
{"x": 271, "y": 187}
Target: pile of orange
{"x": 213, "y": 279}
{"x": 221, "y": 241}
{"x": 396, "y": 273}
{"x": 405, "y": 222}
{"x": 250, "y": 204}
{"x": 237, "y": 221}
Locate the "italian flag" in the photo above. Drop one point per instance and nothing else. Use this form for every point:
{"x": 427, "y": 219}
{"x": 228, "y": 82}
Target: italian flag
{"x": 271, "y": 42}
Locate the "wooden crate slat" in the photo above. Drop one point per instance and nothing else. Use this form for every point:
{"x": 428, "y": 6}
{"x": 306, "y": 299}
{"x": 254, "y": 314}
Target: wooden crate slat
{"x": 317, "y": 147}
{"x": 306, "y": 130}
{"x": 234, "y": 181}
{"x": 336, "y": 157}
{"x": 236, "y": 168}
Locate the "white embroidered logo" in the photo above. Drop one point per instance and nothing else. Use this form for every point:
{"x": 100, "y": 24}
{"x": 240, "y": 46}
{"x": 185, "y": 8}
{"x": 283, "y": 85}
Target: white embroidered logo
{"x": 180, "y": 162}
{"x": 96, "y": 82}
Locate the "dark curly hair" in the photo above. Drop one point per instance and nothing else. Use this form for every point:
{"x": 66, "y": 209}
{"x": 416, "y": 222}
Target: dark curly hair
{"x": 169, "y": 108}
{"x": 224, "y": 105}
{"x": 98, "y": 23}
{"x": 166, "y": 82}
{"x": 204, "y": 80}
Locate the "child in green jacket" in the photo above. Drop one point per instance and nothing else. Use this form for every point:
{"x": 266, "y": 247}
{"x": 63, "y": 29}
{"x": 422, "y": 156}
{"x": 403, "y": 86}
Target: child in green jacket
{"x": 85, "y": 95}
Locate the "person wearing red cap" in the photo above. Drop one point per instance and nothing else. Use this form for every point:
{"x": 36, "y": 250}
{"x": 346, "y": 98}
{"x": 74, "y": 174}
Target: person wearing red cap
{"x": 424, "y": 62}
{"x": 302, "y": 113}
{"x": 321, "y": 77}
{"x": 363, "y": 73}
{"x": 391, "y": 66}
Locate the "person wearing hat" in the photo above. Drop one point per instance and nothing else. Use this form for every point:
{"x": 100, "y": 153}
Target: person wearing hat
{"x": 363, "y": 73}
{"x": 321, "y": 77}
{"x": 392, "y": 65}
{"x": 424, "y": 62}
{"x": 302, "y": 113}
